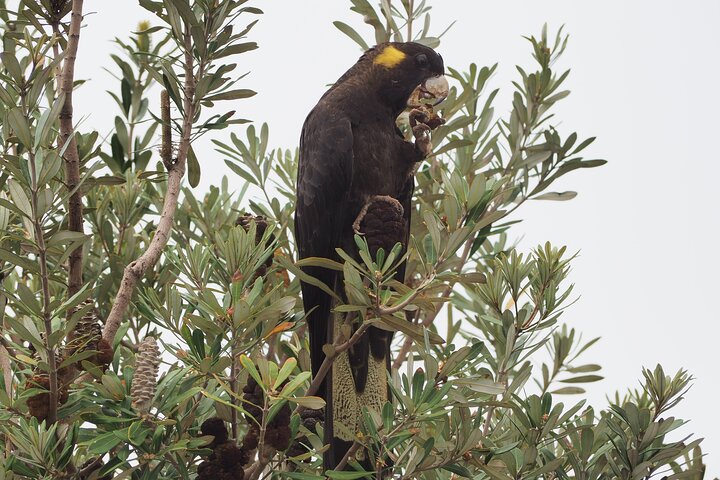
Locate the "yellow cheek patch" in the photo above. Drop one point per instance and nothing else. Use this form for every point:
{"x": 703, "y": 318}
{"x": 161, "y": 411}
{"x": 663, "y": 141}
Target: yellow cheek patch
{"x": 389, "y": 57}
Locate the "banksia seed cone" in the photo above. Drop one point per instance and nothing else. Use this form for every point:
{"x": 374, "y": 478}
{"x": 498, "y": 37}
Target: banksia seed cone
{"x": 261, "y": 225}
{"x": 277, "y": 432}
{"x": 87, "y": 336}
{"x": 253, "y": 397}
{"x": 310, "y": 419}
{"x": 216, "y": 427}
{"x": 144, "y": 380}
{"x": 39, "y": 405}
{"x": 227, "y": 458}
{"x": 381, "y": 221}
{"x": 57, "y": 6}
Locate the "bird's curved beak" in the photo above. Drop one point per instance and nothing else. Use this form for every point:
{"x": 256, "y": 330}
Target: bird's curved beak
{"x": 435, "y": 89}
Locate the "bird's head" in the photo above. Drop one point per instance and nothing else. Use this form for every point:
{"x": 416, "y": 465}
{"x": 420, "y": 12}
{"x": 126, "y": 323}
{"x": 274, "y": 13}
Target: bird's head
{"x": 399, "y": 69}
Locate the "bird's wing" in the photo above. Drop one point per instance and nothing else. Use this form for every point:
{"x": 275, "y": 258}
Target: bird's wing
{"x": 324, "y": 176}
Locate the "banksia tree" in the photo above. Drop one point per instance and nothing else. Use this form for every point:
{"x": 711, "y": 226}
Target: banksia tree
{"x": 105, "y": 240}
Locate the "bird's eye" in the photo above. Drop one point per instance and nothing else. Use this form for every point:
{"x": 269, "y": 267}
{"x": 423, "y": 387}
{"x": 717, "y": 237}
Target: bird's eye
{"x": 421, "y": 60}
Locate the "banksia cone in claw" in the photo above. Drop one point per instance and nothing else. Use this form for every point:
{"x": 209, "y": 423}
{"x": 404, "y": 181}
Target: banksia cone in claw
{"x": 144, "y": 380}
{"x": 381, "y": 222}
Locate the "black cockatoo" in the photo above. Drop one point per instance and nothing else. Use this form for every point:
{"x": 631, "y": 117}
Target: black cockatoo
{"x": 354, "y": 161}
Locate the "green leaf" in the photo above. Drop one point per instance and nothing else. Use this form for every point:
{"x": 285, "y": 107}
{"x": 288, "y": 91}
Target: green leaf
{"x": 295, "y": 383}
{"x": 193, "y": 168}
{"x": 320, "y": 262}
{"x": 285, "y": 372}
{"x": 11, "y": 64}
{"x": 335, "y": 474}
{"x": 103, "y": 443}
{"x": 568, "y": 391}
{"x": 585, "y": 368}
{"x": 19, "y": 124}
{"x": 236, "y": 49}
{"x": 20, "y": 198}
{"x": 412, "y": 330}
{"x": 47, "y": 120}
{"x": 231, "y": 95}
{"x": 65, "y": 237}
{"x": 292, "y": 268}
{"x": 557, "y": 196}
{"x": 350, "y": 32}
{"x": 313, "y": 403}
{"x": 482, "y": 385}
{"x": 458, "y": 469}
{"x": 548, "y": 467}
{"x": 50, "y": 166}
{"x": 301, "y": 476}
{"x": 22, "y": 262}
{"x": 249, "y": 366}
{"x": 583, "y": 379}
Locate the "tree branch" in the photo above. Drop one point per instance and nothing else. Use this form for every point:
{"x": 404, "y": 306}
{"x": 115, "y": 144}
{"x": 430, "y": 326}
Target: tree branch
{"x": 45, "y": 285}
{"x": 67, "y": 142}
{"x": 351, "y": 451}
{"x": 136, "y": 269}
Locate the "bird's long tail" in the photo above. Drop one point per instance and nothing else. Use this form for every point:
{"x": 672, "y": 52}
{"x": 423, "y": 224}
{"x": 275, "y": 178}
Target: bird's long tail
{"x": 357, "y": 380}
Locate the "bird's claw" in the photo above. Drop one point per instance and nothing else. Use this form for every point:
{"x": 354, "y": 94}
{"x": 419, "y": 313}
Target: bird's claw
{"x": 418, "y": 116}
{"x": 421, "y": 132}
{"x": 422, "y": 121}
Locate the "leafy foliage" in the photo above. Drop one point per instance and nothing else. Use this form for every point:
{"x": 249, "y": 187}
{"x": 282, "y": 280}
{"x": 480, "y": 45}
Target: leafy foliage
{"x": 475, "y": 396}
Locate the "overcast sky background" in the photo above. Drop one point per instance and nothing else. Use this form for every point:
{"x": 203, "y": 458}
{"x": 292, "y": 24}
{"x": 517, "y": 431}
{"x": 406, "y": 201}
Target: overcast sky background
{"x": 644, "y": 81}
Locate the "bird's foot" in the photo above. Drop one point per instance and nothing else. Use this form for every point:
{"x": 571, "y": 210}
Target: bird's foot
{"x": 423, "y": 143}
{"x": 422, "y": 121}
{"x": 418, "y": 115}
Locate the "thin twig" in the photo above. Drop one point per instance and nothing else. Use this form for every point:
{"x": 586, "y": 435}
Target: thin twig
{"x": 255, "y": 470}
{"x": 351, "y": 451}
{"x": 45, "y": 286}
{"x": 234, "y": 369}
{"x": 91, "y": 467}
{"x": 411, "y": 8}
{"x": 68, "y": 143}
{"x": 7, "y": 377}
{"x": 401, "y": 306}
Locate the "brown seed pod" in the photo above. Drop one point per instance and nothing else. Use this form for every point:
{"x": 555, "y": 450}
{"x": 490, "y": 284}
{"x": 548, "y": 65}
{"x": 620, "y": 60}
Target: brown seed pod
{"x": 87, "y": 336}
{"x": 144, "y": 379}
{"x": 39, "y": 404}
{"x": 216, "y": 427}
{"x": 261, "y": 225}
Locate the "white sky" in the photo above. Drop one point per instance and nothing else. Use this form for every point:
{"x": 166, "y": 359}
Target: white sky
{"x": 644, "y": 81}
